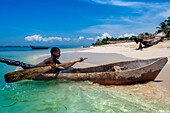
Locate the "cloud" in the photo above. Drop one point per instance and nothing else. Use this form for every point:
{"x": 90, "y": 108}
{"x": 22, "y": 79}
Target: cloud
{"x": 106, "y": 28}
{"x": 81, "y": 37}
{"x": 127, "y": 19}
{"x": 40, "y": 38}
{"x": 147, "y": 20}
{"x": 33, "y": 38}
{"x": 165, "y": 13}
{"x": 104, "y": 35}
{"x": 51, "y": 39}
{"x": 90, "y": 38}
{"x": 147, "y": 10}
{"x": 117, "y": 30}
{"x": 67, "y": 39}
{"x": 132, "y": 4}
{"x": 118, "y": 2}
{"x": 126, "y": 35}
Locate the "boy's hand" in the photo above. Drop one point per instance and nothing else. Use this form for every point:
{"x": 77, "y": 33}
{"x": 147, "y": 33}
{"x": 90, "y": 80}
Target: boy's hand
{"x": 81, "y": 59}
{"x": 52, "y": 65}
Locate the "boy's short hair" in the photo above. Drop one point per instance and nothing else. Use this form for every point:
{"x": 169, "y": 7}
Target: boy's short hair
{"x": 54, "y": 49}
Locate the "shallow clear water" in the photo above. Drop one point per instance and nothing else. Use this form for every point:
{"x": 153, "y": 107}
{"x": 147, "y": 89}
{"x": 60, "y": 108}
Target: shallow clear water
{"x": 69, "y": 97}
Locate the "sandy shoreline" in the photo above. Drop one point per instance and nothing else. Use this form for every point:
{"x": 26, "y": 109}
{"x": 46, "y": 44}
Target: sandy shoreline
{"x": 162, "y": 49}
{"x": 117, "y": 52}
{"x": 155, "y": 91}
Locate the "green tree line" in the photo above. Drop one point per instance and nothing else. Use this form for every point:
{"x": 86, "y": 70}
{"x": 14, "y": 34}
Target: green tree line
{"x": 163, "y": 26}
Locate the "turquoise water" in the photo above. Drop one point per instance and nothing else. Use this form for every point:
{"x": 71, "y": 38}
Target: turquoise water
{"x": 63, "y": 96}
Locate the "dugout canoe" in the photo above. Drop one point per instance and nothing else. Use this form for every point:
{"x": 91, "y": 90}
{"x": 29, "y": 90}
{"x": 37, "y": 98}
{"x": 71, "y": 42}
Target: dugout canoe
{"x": 136, "y": 71}
{"x": 39, "y": 47}
{"x": 150, "y": 42}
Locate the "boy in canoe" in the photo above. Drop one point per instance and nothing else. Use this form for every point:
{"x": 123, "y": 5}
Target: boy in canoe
{"x": 53, "y": 60}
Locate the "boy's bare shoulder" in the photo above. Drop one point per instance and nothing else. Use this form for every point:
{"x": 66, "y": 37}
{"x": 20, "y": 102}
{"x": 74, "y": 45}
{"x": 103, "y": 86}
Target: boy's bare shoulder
{"x": 46, "y": 60}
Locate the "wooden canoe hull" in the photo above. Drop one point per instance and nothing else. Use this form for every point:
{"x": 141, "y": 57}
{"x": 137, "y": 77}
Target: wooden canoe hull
{"x": 39, "y": 47}
{"x": 150, "y": 42}
{"x": 138, "y": 71}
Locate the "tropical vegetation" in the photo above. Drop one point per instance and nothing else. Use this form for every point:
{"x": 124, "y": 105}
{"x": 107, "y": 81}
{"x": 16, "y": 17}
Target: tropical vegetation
{"x": 163, "y": 26}
{"x": 106, "y": 40}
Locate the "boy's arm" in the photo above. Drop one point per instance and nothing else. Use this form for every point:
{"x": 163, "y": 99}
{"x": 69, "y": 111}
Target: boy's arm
{"x": 69, "y": 65}
{"x": 44, "y": 63}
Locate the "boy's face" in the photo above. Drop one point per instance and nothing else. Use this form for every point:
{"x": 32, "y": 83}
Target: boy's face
{"x": 56, "y": 54}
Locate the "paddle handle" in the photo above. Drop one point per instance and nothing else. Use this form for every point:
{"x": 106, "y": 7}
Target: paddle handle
{"x": 74, "y": 61}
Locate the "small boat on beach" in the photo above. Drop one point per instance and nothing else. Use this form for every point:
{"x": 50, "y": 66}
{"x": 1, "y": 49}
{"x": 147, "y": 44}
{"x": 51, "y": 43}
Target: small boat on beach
{"x": 39, "y": 47}
{"x": 150, "y": 41}
{"x": 120, "y": 73}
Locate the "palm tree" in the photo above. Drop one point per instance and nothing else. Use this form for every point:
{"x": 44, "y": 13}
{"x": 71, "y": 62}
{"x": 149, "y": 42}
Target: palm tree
{"x": 168, "y": 22}
{"x": 164, "y": 26}
{"x": 168, "y": 26}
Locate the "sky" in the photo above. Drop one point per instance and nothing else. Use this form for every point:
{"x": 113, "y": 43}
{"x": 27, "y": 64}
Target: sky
{"x": 77, "y": 22}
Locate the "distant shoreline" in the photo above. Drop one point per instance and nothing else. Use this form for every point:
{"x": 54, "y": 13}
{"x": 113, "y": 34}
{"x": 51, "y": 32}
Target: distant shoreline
{"x": 14, "y": 46}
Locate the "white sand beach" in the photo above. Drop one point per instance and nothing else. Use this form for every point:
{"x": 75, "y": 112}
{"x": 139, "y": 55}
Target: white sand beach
{"x": 156, "y": 91}
{"x": 117, "y": 52}
{"x": 162, "y": 49}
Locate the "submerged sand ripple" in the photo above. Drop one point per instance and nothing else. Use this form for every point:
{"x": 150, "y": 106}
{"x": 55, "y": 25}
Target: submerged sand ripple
{"x": 150, "y": 91}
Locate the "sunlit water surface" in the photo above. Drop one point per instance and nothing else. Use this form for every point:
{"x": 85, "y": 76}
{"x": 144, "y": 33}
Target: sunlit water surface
{"x": 76, "y": 97}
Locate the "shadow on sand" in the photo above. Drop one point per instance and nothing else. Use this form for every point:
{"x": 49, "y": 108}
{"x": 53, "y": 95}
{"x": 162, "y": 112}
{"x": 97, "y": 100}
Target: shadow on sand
{"x": 158, "y": 81}
{"x": 143, "y": 47}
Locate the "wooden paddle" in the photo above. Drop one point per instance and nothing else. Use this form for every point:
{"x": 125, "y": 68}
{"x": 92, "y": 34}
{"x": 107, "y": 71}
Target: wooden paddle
{"x": 29, "y": 73}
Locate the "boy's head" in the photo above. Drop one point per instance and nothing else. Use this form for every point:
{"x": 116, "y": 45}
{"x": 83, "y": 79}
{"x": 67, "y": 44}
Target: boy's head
{"x": 55, "y": 52}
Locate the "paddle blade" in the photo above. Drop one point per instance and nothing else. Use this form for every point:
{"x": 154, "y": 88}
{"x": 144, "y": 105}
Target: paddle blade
{"x": 25, "y": 74}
